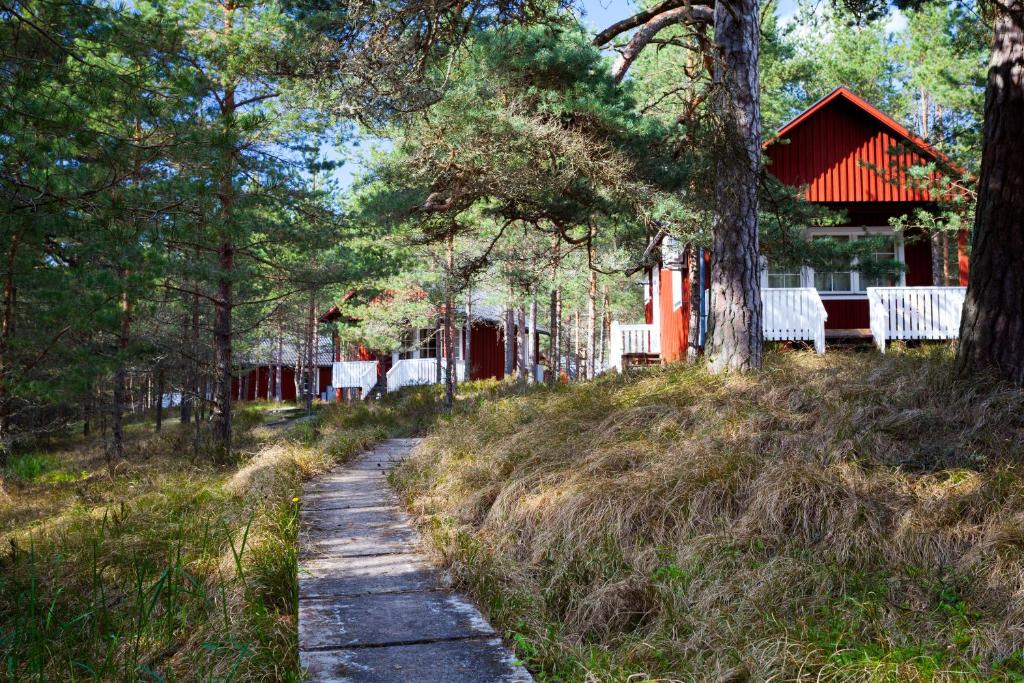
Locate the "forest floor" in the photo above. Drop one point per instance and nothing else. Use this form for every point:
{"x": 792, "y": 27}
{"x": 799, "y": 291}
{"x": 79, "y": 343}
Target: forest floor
{"x": 849, "y": 517}
{"x": 168, "y": 567}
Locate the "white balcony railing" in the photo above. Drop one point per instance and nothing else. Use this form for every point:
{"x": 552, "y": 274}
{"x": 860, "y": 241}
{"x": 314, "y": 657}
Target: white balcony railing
{"x": 416, "y": 371}
{"x": 915, "y": 313}
{"x": 632, "y": 340}
{"x": 793, "y": 314}
{"x": 355, "y": 373}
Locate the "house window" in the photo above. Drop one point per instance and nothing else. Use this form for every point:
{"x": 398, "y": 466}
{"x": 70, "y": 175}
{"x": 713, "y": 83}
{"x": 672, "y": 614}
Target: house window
{"x": 408, "y": 348}
{"x": 836, "y": 275}
{"x": 783, "y": 277}
{"x": 887, "y": 253}
{"x": 677, "y": 289}
{"x": 428, "y": 343}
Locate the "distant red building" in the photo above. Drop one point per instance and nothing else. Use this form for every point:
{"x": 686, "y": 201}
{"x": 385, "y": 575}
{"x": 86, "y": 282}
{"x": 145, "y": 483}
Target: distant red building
{"x": 849, "y": 156}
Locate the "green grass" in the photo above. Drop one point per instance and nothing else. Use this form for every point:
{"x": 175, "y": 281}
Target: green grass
{"x": 170, "y": 568}
{"x": 846, "y": 518}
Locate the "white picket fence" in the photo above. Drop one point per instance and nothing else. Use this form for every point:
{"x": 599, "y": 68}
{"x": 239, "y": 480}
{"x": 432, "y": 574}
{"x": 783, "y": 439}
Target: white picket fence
{"x": 915, "y": 313}
{"x": 632, "y": 340}
{"x": 354, "y": 373}
{"x": 793, "y": 314}
{"x": 417, "y": 371}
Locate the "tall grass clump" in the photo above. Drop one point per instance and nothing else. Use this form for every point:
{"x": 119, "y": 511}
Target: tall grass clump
{"x": 169, "y": 567}
{"x": 852, "y": 517}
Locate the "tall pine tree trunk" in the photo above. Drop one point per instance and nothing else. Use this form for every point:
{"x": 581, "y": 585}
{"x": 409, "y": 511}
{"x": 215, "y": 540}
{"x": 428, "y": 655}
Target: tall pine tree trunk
{"x": 224, "y": 306}
{"x": 524, "y": 344}
{"x": 992, "y": 326}
{"x": 591, "y": 319}
{"x": 534, "y": 338}
{"x": 6, "y": 332}
{"x": 510, "y": 343}
{"x": 555, "y": 362}
{"x": 159, "y": 399}
{"x": 736, "y": 340}
{"x": 116, "y": 449}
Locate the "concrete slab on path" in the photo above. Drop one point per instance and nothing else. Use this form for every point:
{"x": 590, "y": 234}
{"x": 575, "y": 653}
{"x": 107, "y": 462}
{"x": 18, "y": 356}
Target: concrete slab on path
{"x": 371, "y": 605}
{"x": 460, "y": 661}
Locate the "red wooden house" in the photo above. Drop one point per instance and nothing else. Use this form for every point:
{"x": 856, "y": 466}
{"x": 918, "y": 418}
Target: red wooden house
{"x": 422, "y": 351}
{"x": 844, "y": 154}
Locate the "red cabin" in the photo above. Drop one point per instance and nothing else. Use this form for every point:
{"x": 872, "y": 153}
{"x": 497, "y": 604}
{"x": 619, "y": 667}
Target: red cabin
{"x": 844, "y": 154}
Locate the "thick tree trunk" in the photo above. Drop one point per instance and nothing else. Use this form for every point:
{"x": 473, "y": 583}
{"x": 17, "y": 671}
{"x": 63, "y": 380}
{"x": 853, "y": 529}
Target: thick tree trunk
{"x": 736, "y": 340}
{"x": 992, "y": 326}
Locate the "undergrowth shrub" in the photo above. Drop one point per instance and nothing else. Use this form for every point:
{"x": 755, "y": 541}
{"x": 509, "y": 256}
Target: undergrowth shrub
{"x": 850, "y": 517}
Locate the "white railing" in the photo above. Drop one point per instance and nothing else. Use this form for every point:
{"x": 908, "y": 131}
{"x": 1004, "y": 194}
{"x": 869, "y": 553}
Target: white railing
{"x": 416, "y": 371}
{"x": 354, "y": 373}
{"x": 915, "y": 313}
{"x": 632, "y": 340}
{"x": 793, "y": 314}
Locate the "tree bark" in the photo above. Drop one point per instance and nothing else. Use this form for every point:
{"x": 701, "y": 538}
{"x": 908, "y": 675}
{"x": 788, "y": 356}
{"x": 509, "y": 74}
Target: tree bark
{"x": 534, "y": 338}
{"x": 311, "y": 351}
{"x": 159, "y": 399}
{"x": 555, "y": 342}
{"x": 736, "y": 341}
{"x": 591, "y": 320}
{"x": 992, "y": 325}
{"x": 467, "y": 336}
{"x": 524, "y": 343}
{"x": 449, "y": 326}
{"x": 935, "y": 239}
{"x": 510, "y": 331}
{"x": 6, "y": 332}
{"x": 116, "y": 450}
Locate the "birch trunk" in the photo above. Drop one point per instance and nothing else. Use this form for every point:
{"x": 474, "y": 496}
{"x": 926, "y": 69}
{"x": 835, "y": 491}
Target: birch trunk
{"x": 992, "y": 327}
{"x": 735, "y": 341}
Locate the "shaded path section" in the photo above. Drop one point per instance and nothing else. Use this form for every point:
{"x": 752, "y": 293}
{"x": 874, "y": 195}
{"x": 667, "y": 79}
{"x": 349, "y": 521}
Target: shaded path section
{"x": 371, "y": 606}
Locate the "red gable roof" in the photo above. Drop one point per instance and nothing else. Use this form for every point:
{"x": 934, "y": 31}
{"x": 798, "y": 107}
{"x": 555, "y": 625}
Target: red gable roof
{"x": 842, "y": 149}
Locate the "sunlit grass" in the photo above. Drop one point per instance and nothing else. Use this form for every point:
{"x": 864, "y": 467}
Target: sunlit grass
{"x": 842, "y": 518}
{"x": 169, "y": 567}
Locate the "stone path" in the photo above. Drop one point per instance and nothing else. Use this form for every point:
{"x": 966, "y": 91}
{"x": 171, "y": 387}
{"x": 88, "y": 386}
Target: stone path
{"x": 371, "y": 606}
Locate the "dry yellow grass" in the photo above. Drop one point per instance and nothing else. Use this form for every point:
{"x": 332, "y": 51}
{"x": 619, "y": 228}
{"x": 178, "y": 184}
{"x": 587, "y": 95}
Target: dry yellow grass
{"x": 168, "y": 568}
{"x": 849, "y": 517}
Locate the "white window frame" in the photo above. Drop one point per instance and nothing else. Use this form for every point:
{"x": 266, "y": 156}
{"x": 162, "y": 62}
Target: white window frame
{"x": 853, "y": 232}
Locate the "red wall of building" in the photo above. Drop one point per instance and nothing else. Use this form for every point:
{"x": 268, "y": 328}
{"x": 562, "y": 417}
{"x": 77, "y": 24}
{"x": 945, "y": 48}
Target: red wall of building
{"x": 675, "y": 322}
{"x": 846, "y": 314}
{"x": 487, "y": 352}
{"x": 843, "y": 152}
